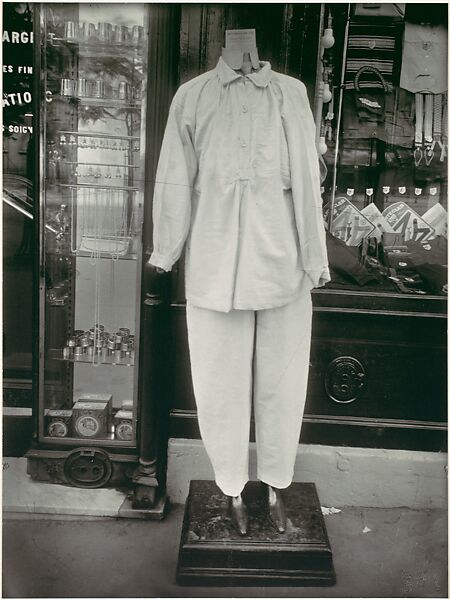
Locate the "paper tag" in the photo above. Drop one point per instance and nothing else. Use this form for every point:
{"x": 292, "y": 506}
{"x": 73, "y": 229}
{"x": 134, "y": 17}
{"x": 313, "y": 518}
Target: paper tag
{"x": 369, "y": 191}
{"x": 240, "y": 39}
{"x": 386, "y": 189}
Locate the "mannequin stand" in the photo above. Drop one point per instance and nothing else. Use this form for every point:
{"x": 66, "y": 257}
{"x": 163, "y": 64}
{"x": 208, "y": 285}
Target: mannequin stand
{"x": 213, "y": 553}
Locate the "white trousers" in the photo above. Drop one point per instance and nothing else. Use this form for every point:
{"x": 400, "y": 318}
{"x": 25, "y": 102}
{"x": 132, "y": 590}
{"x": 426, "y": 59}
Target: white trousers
{"x": 245, "y": 354}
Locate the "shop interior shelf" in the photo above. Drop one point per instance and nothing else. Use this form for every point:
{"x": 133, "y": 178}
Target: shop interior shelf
{"x": 105, "y": 102}
{"x": 126, "y": 361}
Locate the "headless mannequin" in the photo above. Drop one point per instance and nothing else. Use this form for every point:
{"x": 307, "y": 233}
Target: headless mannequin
{"x": 246, "y": 62}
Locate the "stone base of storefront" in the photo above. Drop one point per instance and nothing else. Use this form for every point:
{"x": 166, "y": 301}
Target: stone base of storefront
{"x": 344, "y": 476}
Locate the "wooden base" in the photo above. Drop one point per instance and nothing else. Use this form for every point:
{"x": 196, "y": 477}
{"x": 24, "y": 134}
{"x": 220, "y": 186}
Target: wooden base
{"x": 213, "y": 553}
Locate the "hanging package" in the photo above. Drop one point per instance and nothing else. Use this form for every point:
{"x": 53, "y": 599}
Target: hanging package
{"x": 363, "y": 118}
{"x": 370, "y": 102}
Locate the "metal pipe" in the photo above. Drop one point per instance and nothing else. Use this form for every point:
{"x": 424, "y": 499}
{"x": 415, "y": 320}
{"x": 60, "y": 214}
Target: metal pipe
{"x": 338, "y": 127}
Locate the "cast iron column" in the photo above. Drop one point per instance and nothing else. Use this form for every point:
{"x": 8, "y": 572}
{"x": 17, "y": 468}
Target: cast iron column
{"x": 149, "y": 477}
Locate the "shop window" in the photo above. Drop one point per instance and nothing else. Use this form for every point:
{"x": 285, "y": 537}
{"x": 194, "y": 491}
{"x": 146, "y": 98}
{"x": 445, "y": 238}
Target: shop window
{"x": 382, "y": 132}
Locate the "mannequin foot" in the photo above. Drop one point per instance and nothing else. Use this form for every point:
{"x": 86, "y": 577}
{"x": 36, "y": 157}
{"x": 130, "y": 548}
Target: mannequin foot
{"x": 277, "y": 511}
{"x": 238, "y": 513}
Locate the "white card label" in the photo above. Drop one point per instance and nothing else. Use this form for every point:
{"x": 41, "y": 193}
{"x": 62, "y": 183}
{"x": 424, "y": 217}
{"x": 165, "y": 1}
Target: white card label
{"x": 240, "y": 39}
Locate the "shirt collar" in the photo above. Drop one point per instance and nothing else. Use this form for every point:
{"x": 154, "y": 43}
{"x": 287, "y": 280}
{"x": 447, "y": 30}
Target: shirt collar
{"x": 260, "y": 78}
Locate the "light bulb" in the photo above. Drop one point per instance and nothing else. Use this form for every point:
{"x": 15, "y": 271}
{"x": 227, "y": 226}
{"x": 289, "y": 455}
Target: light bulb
{"x": 327, "y": 95}
{"x": 327, "y": 38}
{"x": 322, "y": 146}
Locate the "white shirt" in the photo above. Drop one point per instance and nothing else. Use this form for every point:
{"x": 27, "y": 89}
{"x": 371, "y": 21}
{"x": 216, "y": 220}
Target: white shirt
{"x": 238, "y": 181}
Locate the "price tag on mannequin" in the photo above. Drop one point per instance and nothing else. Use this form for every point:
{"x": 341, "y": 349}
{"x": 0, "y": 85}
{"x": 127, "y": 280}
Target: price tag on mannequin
{"x": 238, "y": 44}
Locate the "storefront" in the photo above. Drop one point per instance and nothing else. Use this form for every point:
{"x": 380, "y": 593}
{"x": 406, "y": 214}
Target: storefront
{"x": 111, "y": 364}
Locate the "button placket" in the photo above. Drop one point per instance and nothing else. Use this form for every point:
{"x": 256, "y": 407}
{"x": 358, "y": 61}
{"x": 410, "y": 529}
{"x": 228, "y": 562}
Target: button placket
{"x": 244, "y": 134}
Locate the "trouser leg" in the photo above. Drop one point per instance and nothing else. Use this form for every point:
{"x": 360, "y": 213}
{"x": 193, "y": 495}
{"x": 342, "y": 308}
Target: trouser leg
{"x": 283, "y": 339}
{"x": 221, "y": 351}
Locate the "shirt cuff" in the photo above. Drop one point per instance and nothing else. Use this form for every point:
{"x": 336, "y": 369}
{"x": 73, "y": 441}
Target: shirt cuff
{"x": 319, "y": 277}
{"x": 160, "y": 260}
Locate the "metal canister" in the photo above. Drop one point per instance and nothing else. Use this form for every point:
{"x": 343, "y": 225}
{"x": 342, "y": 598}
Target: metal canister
{"x": 67, "y": 87}
{"x": 118, "y": 337}
{"x": 70, "y": 30}
{"x": 67, "y": 352}
{"x": 85, "y": 342}
{"x": 137, "y": 33}
{"x": 90, "y": 351}
{"x": 118, "y": 354}
{"x": 124, "y": 346}
{"x": 121, "y": 34}
{"x": 92, "y": 333}
{"x": 104, "y": 32}
{"x": 125, "y": 333}
{"x": 78, "y": 353}
{"x": 111, "y": 344}
{"x": 124, "y": 90}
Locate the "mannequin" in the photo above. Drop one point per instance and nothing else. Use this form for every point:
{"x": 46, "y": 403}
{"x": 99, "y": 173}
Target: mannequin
{"x": 238, "y": 181}
{"x": 246, "y": 62}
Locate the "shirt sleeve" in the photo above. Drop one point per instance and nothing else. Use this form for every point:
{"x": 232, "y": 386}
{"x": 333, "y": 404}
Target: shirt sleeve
{"x": 175, "y": 175}
{"x": 305, "y": 182}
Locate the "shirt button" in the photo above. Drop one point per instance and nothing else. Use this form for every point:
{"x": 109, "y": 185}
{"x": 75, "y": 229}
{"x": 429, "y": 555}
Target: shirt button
{"x": 244, "y": 108}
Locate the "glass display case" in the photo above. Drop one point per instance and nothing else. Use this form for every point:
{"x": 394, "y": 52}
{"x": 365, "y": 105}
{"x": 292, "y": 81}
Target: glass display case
{"x": 92, "y": 127}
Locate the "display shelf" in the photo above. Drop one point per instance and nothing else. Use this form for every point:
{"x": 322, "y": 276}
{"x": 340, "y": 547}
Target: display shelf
{"x": 106, "y": 255}
{"x": 98, "y": 186}
{"x": 99, "y": 134}
{"x": 126, "y": 361}
{"x": 102, "y": 442}
{"x": 103, "y": 102}
{"x": 92, "y": 164}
